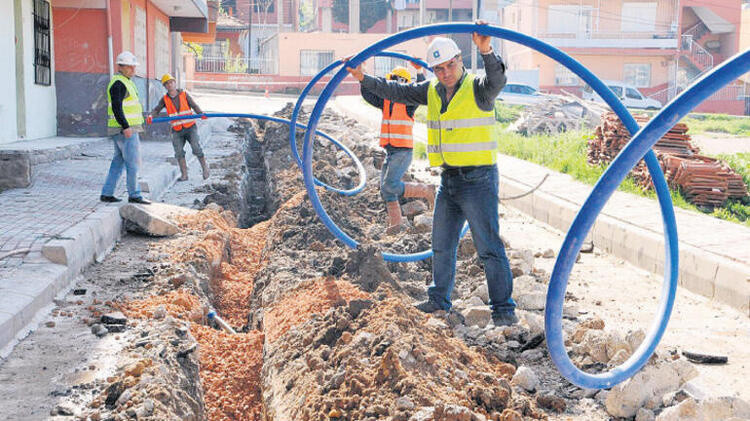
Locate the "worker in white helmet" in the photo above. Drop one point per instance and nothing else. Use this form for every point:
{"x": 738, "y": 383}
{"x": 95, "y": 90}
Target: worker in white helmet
{"x": 124, "y": 122}
{"x": 462, "y": 140}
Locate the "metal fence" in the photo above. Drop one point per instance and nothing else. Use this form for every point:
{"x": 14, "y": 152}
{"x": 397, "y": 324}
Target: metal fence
{"x": 251, "y": 65}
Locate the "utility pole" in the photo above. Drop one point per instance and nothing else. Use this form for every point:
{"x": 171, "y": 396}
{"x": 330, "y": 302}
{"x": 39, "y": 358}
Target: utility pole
{"x": 421, "y": 12}
{"x": 249, "y": 34}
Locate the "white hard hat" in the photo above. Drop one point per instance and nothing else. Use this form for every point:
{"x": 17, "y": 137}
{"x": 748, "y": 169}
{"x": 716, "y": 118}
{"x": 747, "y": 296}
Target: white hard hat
{"x": 441, "y": 50}
{"x": 127, "y": 58}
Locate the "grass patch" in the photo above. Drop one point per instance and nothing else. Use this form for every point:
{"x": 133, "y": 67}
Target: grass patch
{"x": 718, "y": 123}
{"x": 566, "y": 153}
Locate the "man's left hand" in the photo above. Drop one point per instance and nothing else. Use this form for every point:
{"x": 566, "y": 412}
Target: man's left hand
{"x": 482, "y": 41}
{"x": 203, "y": 117}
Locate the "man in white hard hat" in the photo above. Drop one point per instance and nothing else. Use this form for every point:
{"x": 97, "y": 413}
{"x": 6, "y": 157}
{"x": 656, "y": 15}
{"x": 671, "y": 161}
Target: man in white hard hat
{"x": 462, "y": 140}
{"x": 124, "y": 122}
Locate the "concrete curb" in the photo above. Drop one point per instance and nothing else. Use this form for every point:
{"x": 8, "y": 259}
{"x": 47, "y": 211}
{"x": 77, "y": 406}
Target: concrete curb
{"x": 27, "y": 297}
{"x": 709, "y": 275}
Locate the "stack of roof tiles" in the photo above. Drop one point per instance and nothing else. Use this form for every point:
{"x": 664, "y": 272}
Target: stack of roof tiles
{"x": 703, "y": 180}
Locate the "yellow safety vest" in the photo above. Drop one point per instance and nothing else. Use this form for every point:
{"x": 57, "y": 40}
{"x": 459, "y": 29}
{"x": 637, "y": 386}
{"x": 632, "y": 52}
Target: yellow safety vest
{"x": 131, "y": 107}
{"x": 464, "y": 134}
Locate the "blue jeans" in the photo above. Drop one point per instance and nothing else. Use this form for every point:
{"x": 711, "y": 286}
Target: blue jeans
{"x": 397, "y": 161}
{"x": 469, "y": 194}
{"x": 128, "y": 155}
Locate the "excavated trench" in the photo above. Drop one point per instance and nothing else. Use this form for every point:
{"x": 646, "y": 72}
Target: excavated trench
{"x": 324, "y": 332}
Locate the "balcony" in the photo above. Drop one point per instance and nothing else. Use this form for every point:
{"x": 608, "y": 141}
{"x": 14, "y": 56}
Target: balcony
{"x": 598, "y": 39}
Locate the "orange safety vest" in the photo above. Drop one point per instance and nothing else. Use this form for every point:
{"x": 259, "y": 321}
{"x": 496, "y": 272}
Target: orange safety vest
{"x": 185, "y": 109}
{"x": 396, "y": 127}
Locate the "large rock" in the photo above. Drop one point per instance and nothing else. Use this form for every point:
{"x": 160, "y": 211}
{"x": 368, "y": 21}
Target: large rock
{"x": 482, "y": 292}
{"x": 415, "y": 207}
{"x": 423, "y": 223}
{"x": 649, "y": 384}
{"x": 477, "y": 316}
{"x": 722, "y": 408}
{"x": 154, "y": 219}
{"x": 525, "y": 378}
{"x": 15, "y": 171}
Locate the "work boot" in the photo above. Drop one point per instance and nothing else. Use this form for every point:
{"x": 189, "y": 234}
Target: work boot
{"x": 140, "y": 200}
{"x": 428, "y": 307}
{"x": 396, "y": 222}
{"x": 504, "y": 319}
{"x": 422, "y": 191}
{"x": 183, "y": 169}
{"x": 109, "y": 199}
{"x": 204, "y": 167}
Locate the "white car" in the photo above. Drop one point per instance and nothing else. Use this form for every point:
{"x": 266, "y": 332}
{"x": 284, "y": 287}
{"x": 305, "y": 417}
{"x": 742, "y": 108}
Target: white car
{"x": 628, "y": 94}
{"x": 520, "y": 94}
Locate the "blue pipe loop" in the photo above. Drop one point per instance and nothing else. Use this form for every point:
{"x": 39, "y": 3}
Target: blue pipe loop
{"x": 308, "y": 88}
{"x": 357, "y": 163}
{"x": 612, "y": 177}
{"x": 554, "y": 310}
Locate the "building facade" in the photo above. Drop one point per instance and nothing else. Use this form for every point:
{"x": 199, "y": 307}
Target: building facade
{"x": 659, "y": 46}
{"x": 90, "y": 33}
{"x": 28, "y": 103}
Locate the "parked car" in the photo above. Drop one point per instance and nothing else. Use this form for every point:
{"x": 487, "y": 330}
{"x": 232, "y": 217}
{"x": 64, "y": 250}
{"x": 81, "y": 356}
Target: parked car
{"x": 520, "y": 94}
{"x": 628, "y": 94}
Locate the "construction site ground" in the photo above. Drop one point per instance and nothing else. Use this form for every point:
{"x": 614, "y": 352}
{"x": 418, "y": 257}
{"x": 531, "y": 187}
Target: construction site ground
{"x": 327, "y": 332}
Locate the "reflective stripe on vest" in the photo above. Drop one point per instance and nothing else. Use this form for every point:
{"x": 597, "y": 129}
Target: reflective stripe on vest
{"x": 185, "y": 109}
{"x": 396, "y": 127}
{"x": 131, "y": 107}
{"x": 464, "y": 135}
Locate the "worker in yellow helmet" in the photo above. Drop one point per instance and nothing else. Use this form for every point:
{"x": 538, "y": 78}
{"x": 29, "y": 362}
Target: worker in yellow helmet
{"x": 462, "y": 141}
{"x": 397, "y": 140}
{"x": 178, "y": 102}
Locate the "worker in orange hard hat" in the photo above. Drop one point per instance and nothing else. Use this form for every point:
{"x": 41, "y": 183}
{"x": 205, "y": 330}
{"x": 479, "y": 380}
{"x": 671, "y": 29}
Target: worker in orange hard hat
{"x": 178, "y": 102}
{"x": 396, "y": 138}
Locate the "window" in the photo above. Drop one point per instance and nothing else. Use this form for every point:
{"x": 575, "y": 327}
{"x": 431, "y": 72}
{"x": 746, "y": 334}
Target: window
{"x": 139, "y": 47}
{"x": 638, "y": 75}
{"x": 259, "y": 6}
{"x": 564, "y": 19}
{"x": 564, "y": 77}
{"x": 632, "y": 94}
{"x": 313, "y": 61}
{"x": 638, "y": 17}
{"x": 384, "y": 65}
{"x": 42, "y": 54}
{"x": 617, "y": 90}
{"x": 408, "y": 19}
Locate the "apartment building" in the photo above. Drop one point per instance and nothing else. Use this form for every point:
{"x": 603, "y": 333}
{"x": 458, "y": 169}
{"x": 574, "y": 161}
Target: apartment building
{"x": 660, "y": 46}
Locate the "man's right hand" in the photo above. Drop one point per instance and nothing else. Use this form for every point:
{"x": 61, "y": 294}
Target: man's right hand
{"x": 356, "y": 72}
{"x": 128, "y": 133}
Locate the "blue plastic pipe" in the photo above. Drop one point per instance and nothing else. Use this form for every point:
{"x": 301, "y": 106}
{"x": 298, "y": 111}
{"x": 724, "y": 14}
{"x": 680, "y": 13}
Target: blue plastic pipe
{"x": 357, "y": 163}
{"x": 612, "y": 177}
{"x": 553, "y": 314}
{"x": 313, "y": 82}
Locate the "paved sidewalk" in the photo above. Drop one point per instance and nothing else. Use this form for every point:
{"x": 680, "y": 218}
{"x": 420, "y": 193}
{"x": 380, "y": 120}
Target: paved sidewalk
{"x": 60, "y": 219}
{"x": 714, "y": 254}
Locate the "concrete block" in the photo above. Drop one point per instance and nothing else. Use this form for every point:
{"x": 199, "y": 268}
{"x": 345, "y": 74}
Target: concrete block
{"x": 15, "y": 171}
{"x": 154, "y": 219}
{"x": 106, "y": 226}
{"x": 7, "y": 333}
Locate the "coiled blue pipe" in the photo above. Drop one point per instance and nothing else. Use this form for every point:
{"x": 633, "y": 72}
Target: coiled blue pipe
{"x": 612, "y": 177}
{"x": 357, "y": 163}
{"x": 554, "y": 310}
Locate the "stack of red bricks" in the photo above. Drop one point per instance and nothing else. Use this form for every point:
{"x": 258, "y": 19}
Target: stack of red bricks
{"x": 703, "y": 180}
